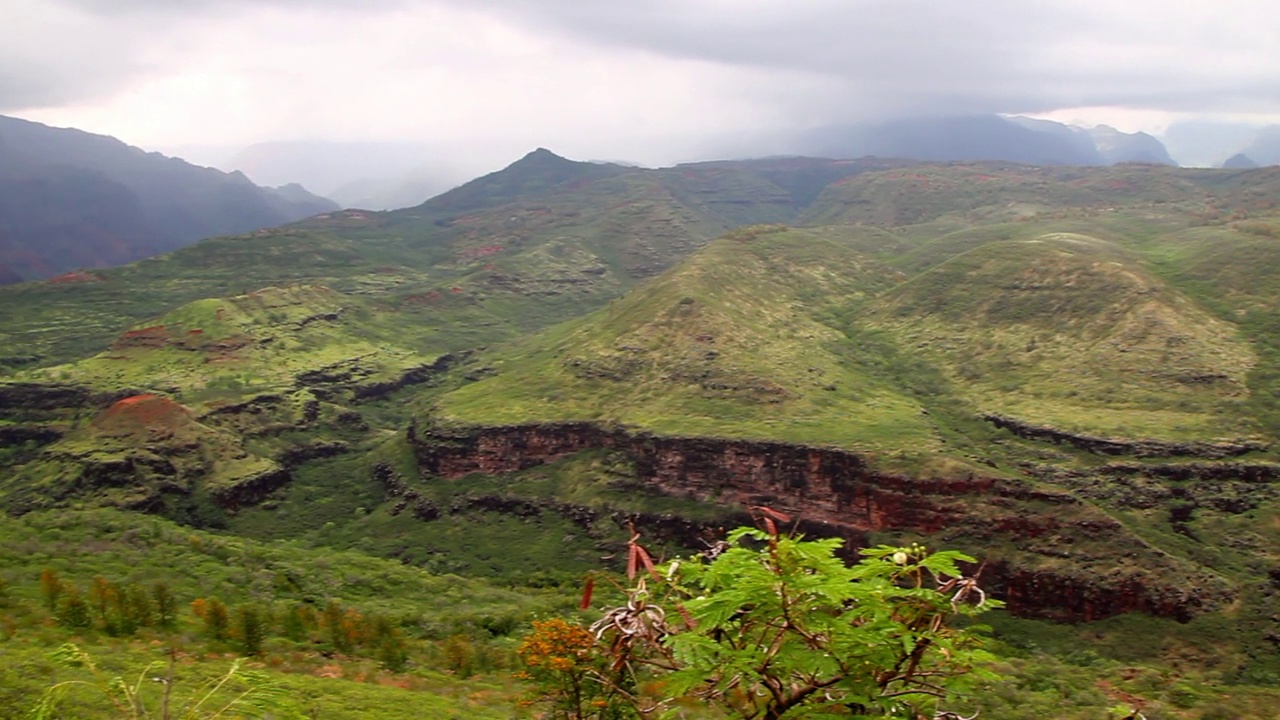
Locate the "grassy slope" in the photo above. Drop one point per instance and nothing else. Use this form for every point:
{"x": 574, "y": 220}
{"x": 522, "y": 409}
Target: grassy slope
{"x": 766, "y": 336}
{"x": 225, "y": 348}
{"x": 511, "y": 252}
{"x": 1070, "y": 331}
{"x": 725, "y": 345}
{"x": 125, "y": 548}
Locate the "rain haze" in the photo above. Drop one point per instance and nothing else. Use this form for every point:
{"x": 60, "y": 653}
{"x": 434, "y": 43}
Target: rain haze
{"x": 474, "y": 85}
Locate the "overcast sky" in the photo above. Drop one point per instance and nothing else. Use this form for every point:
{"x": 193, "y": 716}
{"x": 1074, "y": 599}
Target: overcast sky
{"x": 649, "y": 80}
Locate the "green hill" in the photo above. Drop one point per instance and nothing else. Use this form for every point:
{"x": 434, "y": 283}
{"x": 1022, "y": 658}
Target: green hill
{"x": 1073, "y": 373}
{"x": 1073, "y": 332}
{"x": 728, "y": 345}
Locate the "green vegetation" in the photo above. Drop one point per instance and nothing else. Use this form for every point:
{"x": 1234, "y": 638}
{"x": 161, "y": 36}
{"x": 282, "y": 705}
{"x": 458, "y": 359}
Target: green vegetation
{"x": 776, "y": 626}
{"x": 315, "y": 619}
{"x": 725, "y": 345}
{"x": 1072, "y": 374}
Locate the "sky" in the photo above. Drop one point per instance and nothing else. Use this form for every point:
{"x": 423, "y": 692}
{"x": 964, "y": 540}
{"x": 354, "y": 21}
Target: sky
{"x": 652, "y": 81}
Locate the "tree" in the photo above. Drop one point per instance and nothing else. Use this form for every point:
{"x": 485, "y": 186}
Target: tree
{"x": 217, "y": 621}
{"x": 566, "y": 666}
{"x": 779, "y": 627}
{"x": 51, "y": 588}
{"x": 166, "y": 605}
{"x": 250, "y": 630}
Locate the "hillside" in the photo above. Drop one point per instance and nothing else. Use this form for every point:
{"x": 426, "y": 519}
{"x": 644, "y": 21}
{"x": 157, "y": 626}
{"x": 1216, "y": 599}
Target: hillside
{"x": 964, "y": 379}
{"x": 71, "y": 200}
{"x": 1072, "y": 373}
{"x": 1072, "y": 332}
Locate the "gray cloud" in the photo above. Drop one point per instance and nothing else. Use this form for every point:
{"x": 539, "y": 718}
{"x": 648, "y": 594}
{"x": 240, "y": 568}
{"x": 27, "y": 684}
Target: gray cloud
{"x": 189, "y": 7}
{"x": 599, "y": 75}
{"x": 890, "y": 56}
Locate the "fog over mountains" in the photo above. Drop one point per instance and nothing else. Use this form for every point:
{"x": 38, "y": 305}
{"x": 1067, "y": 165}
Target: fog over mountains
{"x": 388, "y": 175}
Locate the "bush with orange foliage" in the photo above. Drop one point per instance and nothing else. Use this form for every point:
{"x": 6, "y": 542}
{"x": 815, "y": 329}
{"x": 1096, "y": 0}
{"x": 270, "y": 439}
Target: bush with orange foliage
{"x": 562, "y": 660}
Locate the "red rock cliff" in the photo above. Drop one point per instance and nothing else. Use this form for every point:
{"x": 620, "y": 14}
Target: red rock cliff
{"x": 1024, "y": 530}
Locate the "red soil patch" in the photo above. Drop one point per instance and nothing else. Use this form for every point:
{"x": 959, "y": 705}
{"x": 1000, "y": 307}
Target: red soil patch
{"x": 142, "y": 412}
{"x": 76, "y": 277}
{"x": 156, "y": 336}
{"x": 197, "y": 331}
{"x": 455, "y": 289}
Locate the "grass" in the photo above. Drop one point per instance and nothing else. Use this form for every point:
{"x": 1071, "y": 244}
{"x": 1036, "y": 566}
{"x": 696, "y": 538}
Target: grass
{"x": 1072, "y": 332}
{"x": 724, "y": 346}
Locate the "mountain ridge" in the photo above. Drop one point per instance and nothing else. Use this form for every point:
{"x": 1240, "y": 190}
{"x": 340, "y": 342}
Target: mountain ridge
{"x": 74, "y": 200}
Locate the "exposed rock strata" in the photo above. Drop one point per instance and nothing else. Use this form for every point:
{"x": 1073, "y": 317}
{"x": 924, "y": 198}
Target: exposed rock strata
{"x": 1132, "y": 448}
{"x": 1110, "y": 572}
{"x": 394, "y": 485}
{"x": 420, "y": 375}
{"x": 251, "y": 490}
{"x": 19, "y": 399}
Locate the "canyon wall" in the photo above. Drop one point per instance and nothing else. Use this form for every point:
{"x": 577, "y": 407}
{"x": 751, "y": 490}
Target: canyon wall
{"x": 1024, "y": 530}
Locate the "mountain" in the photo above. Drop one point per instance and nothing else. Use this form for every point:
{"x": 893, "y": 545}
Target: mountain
{"x": 1239, "y": 161}
{"x": 71, "y": 200}
{"x": 977, "y": 137}
{"x": 390, "y": 193}
{"x": 795, "y": 369}
{"x": 1070, "y": 372}
{"x": 987, "y": 137}
{"x": 1119, "y": 147}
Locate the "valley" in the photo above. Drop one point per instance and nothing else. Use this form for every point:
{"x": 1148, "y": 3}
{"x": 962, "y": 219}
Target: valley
{"x": 1071, "y": 374}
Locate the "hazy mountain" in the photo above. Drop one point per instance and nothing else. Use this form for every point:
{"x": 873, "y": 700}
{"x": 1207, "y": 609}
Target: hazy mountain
{"x": 71, "y": 199}
{"x": 1120, "y": 147}
{"x": 1078, "y": 137}
{"x": 1239, "y": 161}
{"x": 389, "y": 193}
{"x": 979, "y": 137}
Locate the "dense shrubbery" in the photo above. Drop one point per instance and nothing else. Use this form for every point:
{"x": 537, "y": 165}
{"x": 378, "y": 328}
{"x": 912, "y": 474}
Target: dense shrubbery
{"x": 772, "y": 627}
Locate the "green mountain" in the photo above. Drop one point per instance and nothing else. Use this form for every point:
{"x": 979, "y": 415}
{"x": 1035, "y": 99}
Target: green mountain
{"x": 1072, "y": 373}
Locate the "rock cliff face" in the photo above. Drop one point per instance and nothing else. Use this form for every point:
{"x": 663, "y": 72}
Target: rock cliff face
{"x": 1025, "y": 530}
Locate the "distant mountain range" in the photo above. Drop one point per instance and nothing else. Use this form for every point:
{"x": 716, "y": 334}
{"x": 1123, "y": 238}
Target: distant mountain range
{"x": 390, "y": 175}
{"x": 985, "y": 137}
{"x": 72, "y": 200}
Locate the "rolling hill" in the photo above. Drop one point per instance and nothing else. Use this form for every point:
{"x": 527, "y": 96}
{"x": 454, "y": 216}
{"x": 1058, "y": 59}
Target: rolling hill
{"x": 1073, "y": 373}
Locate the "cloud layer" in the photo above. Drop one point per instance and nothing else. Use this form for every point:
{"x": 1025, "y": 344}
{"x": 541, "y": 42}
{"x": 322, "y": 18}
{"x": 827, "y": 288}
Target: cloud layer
{"x": 650, "y": 79}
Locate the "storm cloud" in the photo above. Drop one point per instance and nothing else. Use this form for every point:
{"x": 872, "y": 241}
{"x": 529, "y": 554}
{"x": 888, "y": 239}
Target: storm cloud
{"x": 648, "y": 79}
